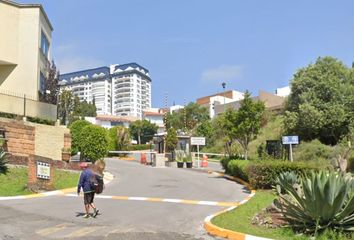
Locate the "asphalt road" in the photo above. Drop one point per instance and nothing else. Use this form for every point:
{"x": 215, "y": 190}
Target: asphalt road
{"x": 60, "y": 217}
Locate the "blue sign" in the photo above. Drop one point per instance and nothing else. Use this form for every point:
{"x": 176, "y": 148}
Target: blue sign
{"x": 290, "y": 139}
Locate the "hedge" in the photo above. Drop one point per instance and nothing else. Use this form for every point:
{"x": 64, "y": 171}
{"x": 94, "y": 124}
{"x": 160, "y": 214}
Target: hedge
{"x": 139, "y": 147}
{"x": 237, "y": 168}
{"x": 262, "y": 174}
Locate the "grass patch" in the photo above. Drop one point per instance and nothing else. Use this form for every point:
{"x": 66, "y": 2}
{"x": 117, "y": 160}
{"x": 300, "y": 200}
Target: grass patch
{"x": 15, "y": 181}
{"x": 65, "y": 179}
{"x": 240, "y": 218}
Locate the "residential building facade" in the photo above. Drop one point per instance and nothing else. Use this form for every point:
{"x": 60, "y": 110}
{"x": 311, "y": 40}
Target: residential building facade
{"x": 212, "y": 101}
{"x": 120, "y": 90}
{"x": 156, "y": 116}
{"x": 271, "y": 102}
{"x": 25, "y": 48}
{"x": 25, "y": 55}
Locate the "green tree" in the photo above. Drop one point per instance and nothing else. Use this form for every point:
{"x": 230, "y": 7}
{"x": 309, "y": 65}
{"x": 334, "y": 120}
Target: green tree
{"x": 171, "y": 139}
{"x": 93, "y": 142}
{"x": 85, "y": 109}
{"x": 244, "y": 124}
{"x": 143, "y": 131}
{"x": 321, "y": 103}
{"x": 76, "y": 129}
{"x": 188, "y": 118}
{"x": 66, "y": 106}
{"x": 51, "y": 88}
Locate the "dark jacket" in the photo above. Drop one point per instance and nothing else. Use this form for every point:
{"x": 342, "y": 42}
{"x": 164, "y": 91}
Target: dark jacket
{"x": 84, "y": 181}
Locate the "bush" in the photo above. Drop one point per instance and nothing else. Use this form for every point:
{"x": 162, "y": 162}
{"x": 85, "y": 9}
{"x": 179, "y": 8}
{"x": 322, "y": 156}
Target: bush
{"x": 118, "y": 138}
{"x": 139, "y": 147}
{"x": 41, "y": 120}
{"x": 224, "y": 163}
{"x": 312, "y": 151}
{"x": 93, "y": 142}
{"x": 262, "y": 174}
{"x": 237, "y": 168}
{"x": 76, "y": 129}
{"x": 323, "y": 201}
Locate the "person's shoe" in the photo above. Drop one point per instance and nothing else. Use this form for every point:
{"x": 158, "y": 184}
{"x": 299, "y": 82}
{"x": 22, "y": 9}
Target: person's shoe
{"x": 86, "y": 216}
{"x": 95, "y": 212}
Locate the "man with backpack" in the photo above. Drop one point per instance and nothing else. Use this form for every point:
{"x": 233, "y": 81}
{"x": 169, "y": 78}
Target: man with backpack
{"x": 88, "y": 184}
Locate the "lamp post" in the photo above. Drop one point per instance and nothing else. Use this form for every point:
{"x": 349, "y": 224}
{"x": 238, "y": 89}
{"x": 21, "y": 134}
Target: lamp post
{"x": 223, "y": 86}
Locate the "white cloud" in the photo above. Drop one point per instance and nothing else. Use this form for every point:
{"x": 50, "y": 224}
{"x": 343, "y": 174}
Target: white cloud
{"x": 223, "y": 73}
{"x": 73, "y": 64}
{"x": 67, "y": 58}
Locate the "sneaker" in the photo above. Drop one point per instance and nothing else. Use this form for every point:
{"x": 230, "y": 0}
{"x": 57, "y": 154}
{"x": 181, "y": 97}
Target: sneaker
{"x": 95, "y": 212}
{"x": 86, "y": 216}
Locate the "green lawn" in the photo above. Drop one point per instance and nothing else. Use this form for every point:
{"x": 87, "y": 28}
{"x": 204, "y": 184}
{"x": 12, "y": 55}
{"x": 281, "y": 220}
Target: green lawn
{"x": 14, "y": 182}
{"x": 239, "y": 220}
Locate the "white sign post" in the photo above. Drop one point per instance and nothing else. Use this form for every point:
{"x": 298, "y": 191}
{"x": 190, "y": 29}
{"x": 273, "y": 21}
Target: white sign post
{"x": 198, "y": 141}
{"x": 290, "y": 140}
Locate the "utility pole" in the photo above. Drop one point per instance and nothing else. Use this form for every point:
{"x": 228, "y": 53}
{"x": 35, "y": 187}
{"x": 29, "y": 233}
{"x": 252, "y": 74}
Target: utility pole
{"x": 223, "y": 86}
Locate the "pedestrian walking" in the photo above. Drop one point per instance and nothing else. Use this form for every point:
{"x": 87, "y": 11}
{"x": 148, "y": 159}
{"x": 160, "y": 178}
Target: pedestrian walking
{"x": 87, "y": 177}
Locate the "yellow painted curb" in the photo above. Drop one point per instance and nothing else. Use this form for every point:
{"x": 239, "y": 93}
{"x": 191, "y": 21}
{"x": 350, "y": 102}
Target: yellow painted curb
{"x": 225, "y": 233}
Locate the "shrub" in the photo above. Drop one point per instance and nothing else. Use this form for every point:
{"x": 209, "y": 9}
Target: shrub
{"x": 76, "y": 129}
{"x": 224, "y": 163}
{"x": 93, "y": 142}
{"x": 323, "y": 201}
{"x": 41, "y": 120}
{"x": 312, "y": 151}
{"x": 118, "y": 138}
{"x": 262, "y": 174}
{"x": 237, "y": 168}
{"x": 139, "y": 147}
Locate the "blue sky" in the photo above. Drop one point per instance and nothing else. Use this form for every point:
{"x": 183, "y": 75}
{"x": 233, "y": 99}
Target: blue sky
{"x": 192, "y": 46}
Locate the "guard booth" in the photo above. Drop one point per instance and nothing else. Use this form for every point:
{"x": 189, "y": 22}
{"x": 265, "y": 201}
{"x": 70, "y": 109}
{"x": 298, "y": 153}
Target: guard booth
{"x": 184, "y": 142}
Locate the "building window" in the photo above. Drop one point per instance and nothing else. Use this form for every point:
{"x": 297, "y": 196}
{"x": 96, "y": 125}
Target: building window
{"x": 42, "y": 83}
{"x": 44, "y": 44}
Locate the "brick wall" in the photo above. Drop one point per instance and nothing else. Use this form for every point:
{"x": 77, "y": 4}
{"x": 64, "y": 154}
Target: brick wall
{"x": 67, "y": 140}
{"x": 25, "y": 138}
{"x": 20, "y": 139}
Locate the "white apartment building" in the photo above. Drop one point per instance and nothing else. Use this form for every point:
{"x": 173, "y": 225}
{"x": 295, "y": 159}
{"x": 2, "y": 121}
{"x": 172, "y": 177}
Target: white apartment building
{"x": 120, "y": 90}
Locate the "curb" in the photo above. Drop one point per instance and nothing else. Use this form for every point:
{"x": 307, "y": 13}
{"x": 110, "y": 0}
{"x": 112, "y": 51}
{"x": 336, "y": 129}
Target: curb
{"x": 225, "y": 233}
{"x": 108, "y": 177}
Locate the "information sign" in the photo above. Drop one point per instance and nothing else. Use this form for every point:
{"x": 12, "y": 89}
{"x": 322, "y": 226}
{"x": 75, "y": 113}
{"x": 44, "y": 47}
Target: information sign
{"x": 199, "y": 141}
{"x": 43, "y": 170}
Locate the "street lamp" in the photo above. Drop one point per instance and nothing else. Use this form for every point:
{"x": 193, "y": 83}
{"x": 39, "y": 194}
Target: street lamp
{"x": 223, "y": 86}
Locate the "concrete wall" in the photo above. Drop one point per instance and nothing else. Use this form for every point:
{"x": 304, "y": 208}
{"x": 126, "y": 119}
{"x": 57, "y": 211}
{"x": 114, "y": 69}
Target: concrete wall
{"x": 15, "y": 105}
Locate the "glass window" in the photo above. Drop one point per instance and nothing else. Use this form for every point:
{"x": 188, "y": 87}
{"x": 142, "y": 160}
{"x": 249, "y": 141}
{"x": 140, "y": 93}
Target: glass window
{"x": 42, "y": 83}
{"x": 44, "y": 44}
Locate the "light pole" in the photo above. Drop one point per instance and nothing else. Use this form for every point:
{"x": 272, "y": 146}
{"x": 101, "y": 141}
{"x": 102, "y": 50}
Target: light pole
{"x": 223, "y": 86}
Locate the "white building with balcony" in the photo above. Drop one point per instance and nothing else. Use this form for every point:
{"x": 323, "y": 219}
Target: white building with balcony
{"x": 120, "y": 90}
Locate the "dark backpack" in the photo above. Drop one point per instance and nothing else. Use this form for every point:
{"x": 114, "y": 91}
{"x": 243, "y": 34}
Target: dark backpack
{"x": 100, "y": 184}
